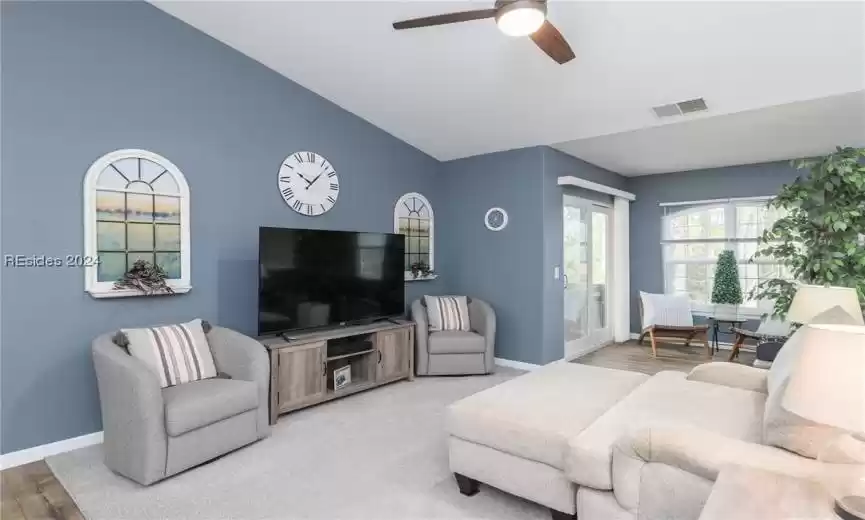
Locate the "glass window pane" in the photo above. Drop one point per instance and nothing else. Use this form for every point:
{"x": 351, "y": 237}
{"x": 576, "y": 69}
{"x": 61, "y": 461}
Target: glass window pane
{"x": 109, "y": 178}
{"x": 111, "y": 266}
{"x": 423, "y": 245}
{"x": 165, "y": 183}
{"x": 139, "y": 208}
{"x": 110, "y": 236}
{"x": 414, "y": 245}
{"x": 167, "y": 237}
{"x": 128, "y": 167}
{"x": 139, "y": 237}
{"x": 166, "y": 209}
{"x": 403, "y": 225}
{"x": 131, "y": 258}
{"x": 110, "y": 205}
{"x": 407, "y": 262}
{"x": 149, "y": 170}
{"x": 170, "y": 263}
{"x": 423, "y": 228}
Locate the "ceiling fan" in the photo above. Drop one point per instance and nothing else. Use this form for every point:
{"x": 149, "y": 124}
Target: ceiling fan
{"x": 514, "y": 18}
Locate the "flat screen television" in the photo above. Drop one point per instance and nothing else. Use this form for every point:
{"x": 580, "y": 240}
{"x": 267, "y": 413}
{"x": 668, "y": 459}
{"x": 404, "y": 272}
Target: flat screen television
{"x": 313, "y": 278}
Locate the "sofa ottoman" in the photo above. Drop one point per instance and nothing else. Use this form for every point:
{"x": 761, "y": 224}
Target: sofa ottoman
{"x": 515, "y": 436}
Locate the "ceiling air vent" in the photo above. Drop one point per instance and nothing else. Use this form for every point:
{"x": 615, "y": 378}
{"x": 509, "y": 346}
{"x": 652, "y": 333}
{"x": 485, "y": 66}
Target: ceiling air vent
{"x": 681, "y": 108}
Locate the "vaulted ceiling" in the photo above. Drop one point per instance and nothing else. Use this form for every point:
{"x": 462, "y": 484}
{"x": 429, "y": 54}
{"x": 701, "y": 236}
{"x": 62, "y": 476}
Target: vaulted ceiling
{"x": 467, "y": 89}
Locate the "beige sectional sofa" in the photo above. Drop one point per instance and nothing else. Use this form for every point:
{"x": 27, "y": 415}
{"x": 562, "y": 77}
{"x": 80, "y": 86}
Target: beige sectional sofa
{"x": 602, "y": 444}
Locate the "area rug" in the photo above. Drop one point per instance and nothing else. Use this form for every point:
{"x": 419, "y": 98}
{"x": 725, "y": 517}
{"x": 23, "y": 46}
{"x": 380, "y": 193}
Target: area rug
{"x": 378, "y": 455}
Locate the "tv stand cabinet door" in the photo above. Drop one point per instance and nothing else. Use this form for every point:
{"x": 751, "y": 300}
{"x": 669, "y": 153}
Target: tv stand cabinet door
{"x": 300, "y": 377}
{"x": 394, "y": 355}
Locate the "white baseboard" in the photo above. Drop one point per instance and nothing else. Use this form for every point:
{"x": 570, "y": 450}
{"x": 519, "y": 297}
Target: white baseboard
{"x": 19, "y": 458}
{"x": 516, "y": 364}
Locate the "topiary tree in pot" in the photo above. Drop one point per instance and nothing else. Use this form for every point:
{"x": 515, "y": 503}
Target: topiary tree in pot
{"x": 821, "y": 239}
{"x": 727, "y": 290}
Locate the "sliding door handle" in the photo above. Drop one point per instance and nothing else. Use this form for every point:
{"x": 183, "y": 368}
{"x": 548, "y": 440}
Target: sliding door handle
{"x": 565, "y": 278}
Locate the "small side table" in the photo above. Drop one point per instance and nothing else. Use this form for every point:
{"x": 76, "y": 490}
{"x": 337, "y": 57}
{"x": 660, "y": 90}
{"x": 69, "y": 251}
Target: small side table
{"x": 742, "y": 493}
{"x": 716, "y": 327}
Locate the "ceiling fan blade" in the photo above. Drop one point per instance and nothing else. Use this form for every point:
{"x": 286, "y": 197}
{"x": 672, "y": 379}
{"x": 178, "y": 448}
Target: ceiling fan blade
{"x": 442, "y": 19}
{"x": 551, "y": 41}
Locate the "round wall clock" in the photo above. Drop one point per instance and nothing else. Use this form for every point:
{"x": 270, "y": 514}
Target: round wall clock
{"x": 308, "y": 183}
{"x": 496, "y": 219}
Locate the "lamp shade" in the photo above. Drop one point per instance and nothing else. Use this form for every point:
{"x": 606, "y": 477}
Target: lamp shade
{"x": 811, "y": 300}
{"x": 827, "y": 382}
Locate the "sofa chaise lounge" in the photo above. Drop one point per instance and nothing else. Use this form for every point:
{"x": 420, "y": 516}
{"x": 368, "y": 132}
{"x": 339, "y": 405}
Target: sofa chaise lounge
{"x": 603, "y": 444}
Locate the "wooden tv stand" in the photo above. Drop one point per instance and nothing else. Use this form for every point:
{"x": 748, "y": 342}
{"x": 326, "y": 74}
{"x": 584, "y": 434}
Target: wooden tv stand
{"x": 301, "y": 368}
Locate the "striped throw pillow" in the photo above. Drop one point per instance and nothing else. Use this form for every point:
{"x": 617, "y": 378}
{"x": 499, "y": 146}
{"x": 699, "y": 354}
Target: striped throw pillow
{"x": 447, "y": 313}
{"x": 175, "y": 353}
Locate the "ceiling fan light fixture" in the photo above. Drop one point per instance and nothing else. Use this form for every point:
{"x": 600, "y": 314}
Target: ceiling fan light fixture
{"x": 521, "y": 18}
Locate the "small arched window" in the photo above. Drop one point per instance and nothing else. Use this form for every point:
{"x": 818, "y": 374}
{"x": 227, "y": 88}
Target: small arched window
{"x": 413, "y": 217}
{"x": 136, "y": 207}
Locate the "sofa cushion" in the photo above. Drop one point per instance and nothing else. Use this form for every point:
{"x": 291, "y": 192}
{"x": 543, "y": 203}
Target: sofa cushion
{"x": 456, "y": 342}
{"x": 193, "y": 405}
{"x": 176, "y": 354}
{"x": 532, "y": 416}
{"x": 448, "y": 313}
{"x": 664, "y": 400}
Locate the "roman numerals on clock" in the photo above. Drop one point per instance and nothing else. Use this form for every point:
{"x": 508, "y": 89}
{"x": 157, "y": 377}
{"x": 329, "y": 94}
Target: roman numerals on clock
{"x": 308, "y": 183}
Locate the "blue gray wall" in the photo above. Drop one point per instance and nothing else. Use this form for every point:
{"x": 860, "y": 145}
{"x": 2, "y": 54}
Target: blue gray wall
{"x": 512, "y": 268}
{"x": 647, "y": 273}
{"x": 555, "y": 165}
{"x": 82, "y": 79}
{"x": 504, "y": 268}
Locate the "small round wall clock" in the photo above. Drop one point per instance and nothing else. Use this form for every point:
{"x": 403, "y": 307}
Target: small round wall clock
{"x": 496, "y": 219}
{"x": 308, "y": 183}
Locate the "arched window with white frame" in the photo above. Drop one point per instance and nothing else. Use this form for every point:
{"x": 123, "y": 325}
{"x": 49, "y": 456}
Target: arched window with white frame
{"x": 136, "y": 207}
{"x": 413, "y": 217}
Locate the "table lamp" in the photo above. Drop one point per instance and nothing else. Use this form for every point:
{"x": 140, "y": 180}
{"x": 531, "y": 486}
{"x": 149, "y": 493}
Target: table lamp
{"x": 827, "y": 386}
{"x": 811, "y": 300}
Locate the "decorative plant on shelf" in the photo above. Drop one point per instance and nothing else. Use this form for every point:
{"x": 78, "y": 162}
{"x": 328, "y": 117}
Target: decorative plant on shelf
{"x": 146, "y": 277}
{"x": 421, "y": 269}
{"x": 821, "y": 239}
{"x": 727, "y": 289}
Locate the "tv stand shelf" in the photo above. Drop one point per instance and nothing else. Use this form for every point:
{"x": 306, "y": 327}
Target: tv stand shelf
{"x": 301, "y": 368}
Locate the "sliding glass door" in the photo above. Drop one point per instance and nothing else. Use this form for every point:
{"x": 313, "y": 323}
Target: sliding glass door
{"x": 586, "y": 245}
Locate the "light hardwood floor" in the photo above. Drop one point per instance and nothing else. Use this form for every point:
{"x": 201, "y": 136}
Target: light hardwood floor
{"x": 31, "y": 492}
{"x": 638, "y": 358}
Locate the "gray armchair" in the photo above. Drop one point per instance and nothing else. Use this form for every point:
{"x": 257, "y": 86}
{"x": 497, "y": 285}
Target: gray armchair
{"x": 451, "y": 352}
{"x": 151, "y": 433}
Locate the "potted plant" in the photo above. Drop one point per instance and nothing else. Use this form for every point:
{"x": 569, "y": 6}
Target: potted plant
{"x": 727, "y": 290}
{"x": 146, "y": 277}
{"x": 821, "y": 238}
{"x": 421, "y": 269}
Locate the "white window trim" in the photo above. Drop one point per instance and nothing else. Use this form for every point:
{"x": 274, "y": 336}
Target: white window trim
{"x": 702, "y": 308}
{"x": 99, "y": 289}
{"x": 407, "y": 275}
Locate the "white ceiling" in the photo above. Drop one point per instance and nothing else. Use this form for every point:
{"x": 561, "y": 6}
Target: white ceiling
{"x": 793, "y": 130}
{"x": 467, "y": 89}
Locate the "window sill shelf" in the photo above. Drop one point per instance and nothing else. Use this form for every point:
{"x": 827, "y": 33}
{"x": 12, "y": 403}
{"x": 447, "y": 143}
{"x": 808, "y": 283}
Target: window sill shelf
{"x": 410, "y": 278}
{"x": 127, "y": 293}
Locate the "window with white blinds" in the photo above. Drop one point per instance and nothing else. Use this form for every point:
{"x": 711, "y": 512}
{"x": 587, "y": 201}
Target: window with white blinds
{"x": 694, "y": 234}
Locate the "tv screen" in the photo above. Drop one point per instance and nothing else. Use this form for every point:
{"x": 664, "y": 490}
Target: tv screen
{"x": 311, "y": 278}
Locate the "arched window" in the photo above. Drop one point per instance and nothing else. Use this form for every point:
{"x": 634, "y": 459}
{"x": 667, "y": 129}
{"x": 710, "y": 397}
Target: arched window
{"x": 136, "y": 207}
{"x": 413, "y": 217}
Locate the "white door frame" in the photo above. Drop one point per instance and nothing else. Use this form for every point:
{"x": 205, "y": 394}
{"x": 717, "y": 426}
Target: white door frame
{"x": 594, "y": 338}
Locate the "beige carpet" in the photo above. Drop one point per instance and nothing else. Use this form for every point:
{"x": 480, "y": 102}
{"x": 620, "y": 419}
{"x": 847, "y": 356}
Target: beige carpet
{"x": 379, "y": 455}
